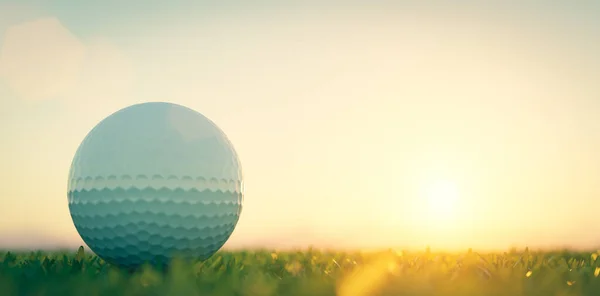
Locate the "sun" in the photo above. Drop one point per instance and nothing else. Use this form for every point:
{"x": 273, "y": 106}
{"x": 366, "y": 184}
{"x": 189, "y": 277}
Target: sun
{"x": 441, "y": 197}
{"x": 440, "y": 213}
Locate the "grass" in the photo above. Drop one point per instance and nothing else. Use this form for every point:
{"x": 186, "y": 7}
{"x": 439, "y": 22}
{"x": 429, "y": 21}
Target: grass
{"x": 310, "y": 272}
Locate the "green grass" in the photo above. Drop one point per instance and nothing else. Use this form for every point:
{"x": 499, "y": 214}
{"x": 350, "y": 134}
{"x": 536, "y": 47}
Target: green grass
{"x": 310, "y": 272}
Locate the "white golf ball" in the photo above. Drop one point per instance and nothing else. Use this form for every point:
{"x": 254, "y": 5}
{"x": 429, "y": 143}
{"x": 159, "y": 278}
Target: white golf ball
{"x": 153, "y": 181}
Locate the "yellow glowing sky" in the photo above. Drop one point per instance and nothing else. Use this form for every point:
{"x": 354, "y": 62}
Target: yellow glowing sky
{"x": 365, "y": 125}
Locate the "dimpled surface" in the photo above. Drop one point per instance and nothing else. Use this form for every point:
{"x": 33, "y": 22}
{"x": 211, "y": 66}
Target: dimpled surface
{"x": 152, "y": 181}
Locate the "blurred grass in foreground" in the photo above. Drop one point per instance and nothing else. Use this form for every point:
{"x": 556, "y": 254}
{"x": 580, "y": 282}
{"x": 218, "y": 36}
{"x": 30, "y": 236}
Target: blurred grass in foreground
{"x": 310, "y": 272}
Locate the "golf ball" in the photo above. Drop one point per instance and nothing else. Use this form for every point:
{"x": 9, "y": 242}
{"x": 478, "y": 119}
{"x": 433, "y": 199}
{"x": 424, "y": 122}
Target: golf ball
{"x": 153, "y": 181}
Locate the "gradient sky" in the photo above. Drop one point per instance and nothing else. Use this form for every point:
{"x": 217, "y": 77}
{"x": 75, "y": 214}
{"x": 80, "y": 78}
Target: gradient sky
{"x": 344, "y": 114}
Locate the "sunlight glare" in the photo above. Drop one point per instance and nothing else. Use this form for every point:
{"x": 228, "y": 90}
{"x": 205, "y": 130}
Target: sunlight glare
{"x": 442, "y": 196}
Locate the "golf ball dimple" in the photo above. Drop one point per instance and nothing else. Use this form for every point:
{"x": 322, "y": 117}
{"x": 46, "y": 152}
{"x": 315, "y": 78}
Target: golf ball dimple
{"x": 153, "y": 181}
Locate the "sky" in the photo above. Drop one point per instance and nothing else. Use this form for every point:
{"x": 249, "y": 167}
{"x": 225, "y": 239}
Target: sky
{"x": 359, "y": 124}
